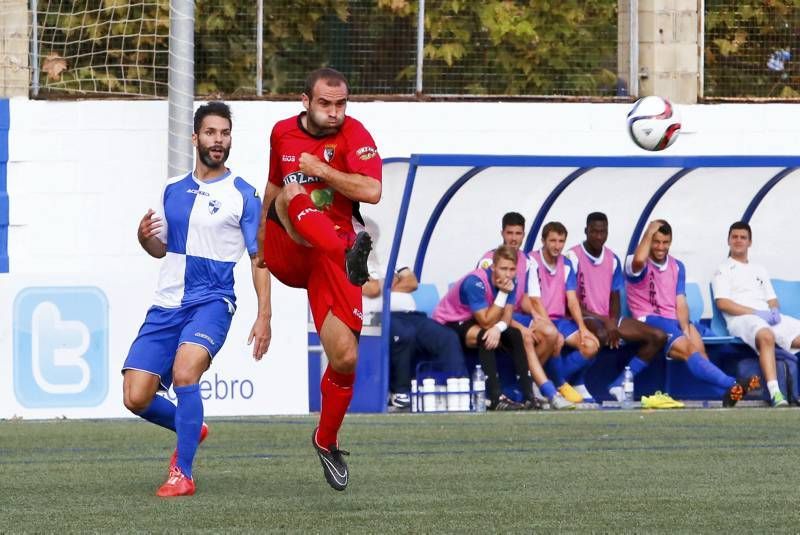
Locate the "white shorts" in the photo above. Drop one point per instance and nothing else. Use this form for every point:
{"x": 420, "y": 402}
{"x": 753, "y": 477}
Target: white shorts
{"x": 746, "y": 327}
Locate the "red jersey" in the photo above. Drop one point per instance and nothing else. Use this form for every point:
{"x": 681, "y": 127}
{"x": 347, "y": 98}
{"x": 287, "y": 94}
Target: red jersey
{"x": 350, "y": 150}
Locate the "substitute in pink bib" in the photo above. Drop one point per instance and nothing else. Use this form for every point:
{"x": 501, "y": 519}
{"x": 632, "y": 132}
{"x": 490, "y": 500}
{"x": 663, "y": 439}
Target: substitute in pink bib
{"x": 596, "y": 278}
{"x": 654, "y": 290}
{"x": 522, "y": 274}
{"x": 453, "y": 307}
{"x": 553, "y": 284}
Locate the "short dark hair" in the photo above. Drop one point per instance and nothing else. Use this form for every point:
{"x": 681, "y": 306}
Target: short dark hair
{"x": 513, "y": 219}
{"x": 596, "y": 216}
{"x": 665, "y": 228}
{"x": 741, "y": 225}
{"x": 215, "y": 107}
{"x": 331, "y": 76}
{"x": 554, "y": 226}
{"x": 505, "y": 251}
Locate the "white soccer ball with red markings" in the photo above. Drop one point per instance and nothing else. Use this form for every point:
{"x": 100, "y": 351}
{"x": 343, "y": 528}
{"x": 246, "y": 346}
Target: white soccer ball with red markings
{"x": 653, "y": 123}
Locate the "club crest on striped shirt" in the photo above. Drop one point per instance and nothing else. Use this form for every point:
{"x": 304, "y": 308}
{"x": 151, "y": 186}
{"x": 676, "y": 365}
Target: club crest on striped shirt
{"x": 213, "y": 206}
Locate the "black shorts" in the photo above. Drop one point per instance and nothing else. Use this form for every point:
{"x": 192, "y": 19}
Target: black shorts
{"x": 461, "y": 328}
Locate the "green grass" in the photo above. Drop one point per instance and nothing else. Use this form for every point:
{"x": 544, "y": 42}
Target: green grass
{"x": 589, "y": 471}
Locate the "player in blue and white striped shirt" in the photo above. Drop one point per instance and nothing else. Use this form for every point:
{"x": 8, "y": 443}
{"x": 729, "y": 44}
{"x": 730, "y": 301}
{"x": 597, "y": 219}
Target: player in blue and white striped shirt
{"x": 207, "y": 219}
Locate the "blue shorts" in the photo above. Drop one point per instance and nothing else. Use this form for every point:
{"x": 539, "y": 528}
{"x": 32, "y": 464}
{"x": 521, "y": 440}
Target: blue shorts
{"x": 566, "y": 327}
{"x": 164, "y": 329}
{"x": 521, "y": 317}
{"x": 670, "y": 326}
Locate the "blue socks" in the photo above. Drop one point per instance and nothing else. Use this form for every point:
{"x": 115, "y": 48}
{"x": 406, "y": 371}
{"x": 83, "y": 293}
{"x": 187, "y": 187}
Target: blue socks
{"x": 188, "y": 421}
{"x": 636, "y": 364}
{"x": 160, "y": 412}
{"x": 548, "y": 390}
{"x": 554, "y": 368}
{"x": 705, "y": 370}
{"x": 579, "y": 379}
{"x": 573, "y": 363}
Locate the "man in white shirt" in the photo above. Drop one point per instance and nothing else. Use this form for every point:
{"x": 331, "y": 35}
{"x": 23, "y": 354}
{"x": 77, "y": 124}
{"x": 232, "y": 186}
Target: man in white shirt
{"x": 744, "y": 294}
{"x": 412, "y": 332}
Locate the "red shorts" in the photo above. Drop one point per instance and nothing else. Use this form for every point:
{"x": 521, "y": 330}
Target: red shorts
{"x": 320, "y": 274}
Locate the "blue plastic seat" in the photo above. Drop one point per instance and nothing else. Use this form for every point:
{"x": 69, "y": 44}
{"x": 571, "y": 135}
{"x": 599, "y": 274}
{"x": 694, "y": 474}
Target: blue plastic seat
{"x": 718, "y": 325}
{"x": 788, "y": 293}
{"x": 694, "y": 298}
{"x": 624, "y": 311}
{"x": 426, "y": 297}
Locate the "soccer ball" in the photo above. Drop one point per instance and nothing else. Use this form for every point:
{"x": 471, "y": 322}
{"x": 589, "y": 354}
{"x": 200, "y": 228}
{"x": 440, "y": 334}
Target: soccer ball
{"x": 653, "y": 123}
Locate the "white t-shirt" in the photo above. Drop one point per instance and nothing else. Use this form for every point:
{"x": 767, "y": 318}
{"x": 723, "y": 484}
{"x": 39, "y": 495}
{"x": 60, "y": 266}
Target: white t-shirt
{"x": 401, "y": 301}
{"x": 745, "y": 284}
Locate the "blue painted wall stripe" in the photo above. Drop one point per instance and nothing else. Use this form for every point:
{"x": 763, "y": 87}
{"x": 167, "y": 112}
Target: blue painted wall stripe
{"x": 765, "y": 189}
{"x": 478, "y": 160}
{"x": 5, "y": 123}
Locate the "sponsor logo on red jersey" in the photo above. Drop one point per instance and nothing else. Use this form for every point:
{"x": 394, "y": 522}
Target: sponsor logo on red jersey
{"x": 299, "y": 177}
{"x": 366, "y": 153}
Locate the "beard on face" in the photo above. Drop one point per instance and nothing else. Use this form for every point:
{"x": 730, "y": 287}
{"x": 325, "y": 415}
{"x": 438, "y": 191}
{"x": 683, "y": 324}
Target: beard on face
{"x": 204, "y": 153}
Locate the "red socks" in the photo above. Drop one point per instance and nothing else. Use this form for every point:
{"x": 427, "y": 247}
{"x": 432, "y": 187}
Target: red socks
{"x": 313, "y": 225}
{"x": 337, "y": 390}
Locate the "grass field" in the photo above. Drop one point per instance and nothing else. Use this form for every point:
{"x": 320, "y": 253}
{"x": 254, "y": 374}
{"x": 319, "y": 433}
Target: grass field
{"x": 588, "y": 471}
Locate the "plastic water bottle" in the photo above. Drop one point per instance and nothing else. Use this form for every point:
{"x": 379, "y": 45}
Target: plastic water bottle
{"x": 627, "y": 388}
{"x": 414, "y": 396}
{"x": 479, "y": 389}
{"x": 429, "y": 396}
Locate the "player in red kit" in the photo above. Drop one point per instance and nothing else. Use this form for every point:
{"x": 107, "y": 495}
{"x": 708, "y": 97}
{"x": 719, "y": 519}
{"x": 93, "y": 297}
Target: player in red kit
{"x": 322, "y": 165}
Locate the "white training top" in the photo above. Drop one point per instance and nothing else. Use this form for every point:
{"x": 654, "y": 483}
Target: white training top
{"x": 745, "y": 284}
{"x": 401, "y": 301}
{"x": 207, "y": 227}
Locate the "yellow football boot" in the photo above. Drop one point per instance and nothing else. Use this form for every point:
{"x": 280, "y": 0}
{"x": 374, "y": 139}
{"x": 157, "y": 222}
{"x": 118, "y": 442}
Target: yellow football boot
{"x": 660, "y": 400}
{"x": 569, "y": 393}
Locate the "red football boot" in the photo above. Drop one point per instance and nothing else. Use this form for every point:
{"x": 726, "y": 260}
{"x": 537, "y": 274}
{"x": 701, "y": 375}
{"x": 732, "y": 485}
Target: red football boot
{"x": 173, "y": 461}
{"x": 177, "y": 484}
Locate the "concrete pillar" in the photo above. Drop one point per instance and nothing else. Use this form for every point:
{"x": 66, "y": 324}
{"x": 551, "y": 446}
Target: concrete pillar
{"x": 669, "y": 52}
{"x": 624, "y": 44}
{"x": 14, "y": 46}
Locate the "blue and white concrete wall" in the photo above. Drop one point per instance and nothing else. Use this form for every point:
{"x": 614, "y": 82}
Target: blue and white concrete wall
{"x": 81, "y": 174}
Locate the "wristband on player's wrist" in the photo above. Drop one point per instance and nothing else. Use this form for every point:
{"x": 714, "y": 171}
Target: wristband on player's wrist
{"x": 501, "y": 299}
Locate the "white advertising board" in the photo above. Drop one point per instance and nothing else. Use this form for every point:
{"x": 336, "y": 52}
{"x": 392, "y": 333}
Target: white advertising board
{"x": 64, "y": 338}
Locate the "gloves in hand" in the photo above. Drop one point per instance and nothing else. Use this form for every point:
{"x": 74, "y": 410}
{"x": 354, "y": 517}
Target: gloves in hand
{"x": 765, "y": 315}
{"x": 771, "y": 316}
{"x": 774, "y": 316}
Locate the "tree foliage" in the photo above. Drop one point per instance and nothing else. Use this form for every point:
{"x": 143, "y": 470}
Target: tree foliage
{"x": 487, "y": 47}
{"x": 752, "y": 50}
{"x": 104, "y": 46}
{"x": 508, "y": 47}
{"x": 512, "y": 47}
{"x": 490, "y": 47}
